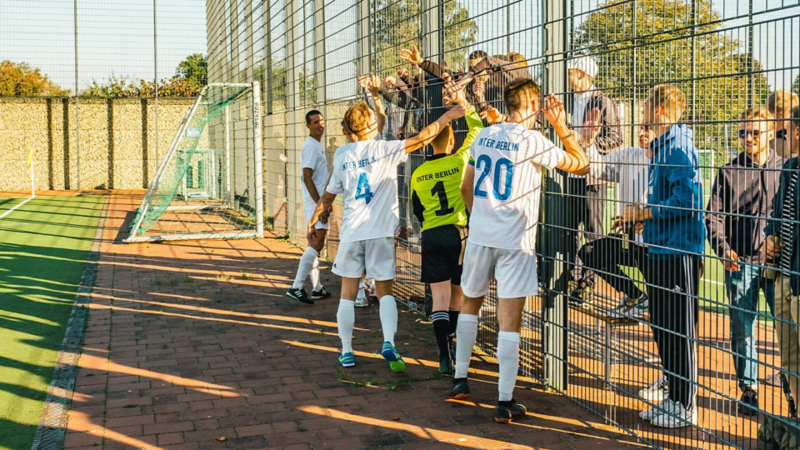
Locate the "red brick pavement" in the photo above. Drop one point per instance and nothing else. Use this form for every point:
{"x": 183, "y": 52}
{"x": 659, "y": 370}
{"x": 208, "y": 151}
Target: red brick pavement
{"x": 193, "y": 345}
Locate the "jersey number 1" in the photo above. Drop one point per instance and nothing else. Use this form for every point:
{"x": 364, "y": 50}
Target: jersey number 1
{"x": 438, "y": 189}
{"x": 362, "y": 190}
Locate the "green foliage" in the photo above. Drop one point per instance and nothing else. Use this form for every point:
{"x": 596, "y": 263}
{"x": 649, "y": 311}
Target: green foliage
{"x": 193, "y": 69}
{"x": 20, "y": 79}
{"x": 796, "y": 85}
{"x": 663, "y": 53}
{"x": 397, "y": 24}
{"x": 277, "y": 84}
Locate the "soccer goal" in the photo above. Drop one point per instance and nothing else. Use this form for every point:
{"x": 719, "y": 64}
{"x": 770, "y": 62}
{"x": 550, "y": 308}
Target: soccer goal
{"x": 209, "y": 183}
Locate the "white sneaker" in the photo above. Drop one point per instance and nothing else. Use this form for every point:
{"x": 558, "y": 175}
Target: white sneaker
{"x": 774, "y": 379}
{"x": 361, "y": 301}
{"x": 664, "y": 406}
{"x": 657, "y": 391}
{"x": 627, "y": 312}
{"x": 679, "y": 418}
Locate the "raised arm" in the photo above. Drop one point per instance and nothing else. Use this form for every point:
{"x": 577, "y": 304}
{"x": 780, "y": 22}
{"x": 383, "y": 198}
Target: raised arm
{"x": 575, "y": 160}
{"x": 431, "y": 131}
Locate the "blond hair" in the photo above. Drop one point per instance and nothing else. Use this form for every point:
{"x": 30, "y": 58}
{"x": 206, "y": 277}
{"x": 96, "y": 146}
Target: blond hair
{"x": 781, "y": 102}
{"x": 443, "y": 138}
{"x": 357, "y": 118}
{"x": 759, "y": 114}
{"x": 670, "y": 98}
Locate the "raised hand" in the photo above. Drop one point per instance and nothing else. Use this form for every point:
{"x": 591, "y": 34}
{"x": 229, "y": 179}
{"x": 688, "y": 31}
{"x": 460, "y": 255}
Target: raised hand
{"x": 458, "y": 111}
{"x": 453, "y": 94}
{"x": 591, "y": 127}
{"x": 479, "y": 90}
{"x": 492, "y": 116}
{"x": 412, "y": 56}
{"x": 554, "y": 112}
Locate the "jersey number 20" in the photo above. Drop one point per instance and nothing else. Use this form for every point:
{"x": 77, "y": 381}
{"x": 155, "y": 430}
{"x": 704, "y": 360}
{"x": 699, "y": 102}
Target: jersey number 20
{"x": 362, "y": 190}
{"x": 484, "y": 163}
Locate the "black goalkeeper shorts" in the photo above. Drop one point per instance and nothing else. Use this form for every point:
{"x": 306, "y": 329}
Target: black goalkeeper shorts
{"x": 443, "y": 254}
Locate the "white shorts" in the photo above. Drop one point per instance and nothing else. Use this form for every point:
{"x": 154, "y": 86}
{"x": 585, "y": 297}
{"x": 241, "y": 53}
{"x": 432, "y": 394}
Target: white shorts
{"x": 374, "y": 255}
{"x": 319, "y": 225}
{"x": 514, "y": 270}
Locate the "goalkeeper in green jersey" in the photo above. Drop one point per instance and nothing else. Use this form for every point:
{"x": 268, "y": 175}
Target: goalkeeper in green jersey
{"x": 438, "y": 205}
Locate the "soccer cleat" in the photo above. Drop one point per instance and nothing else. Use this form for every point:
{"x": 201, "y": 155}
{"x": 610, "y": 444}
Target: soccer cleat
{"x": 657, "y": 391}
{"x": 460, "y": 389}
{"x": 446, "y": 367}
{"x": 394, "y": 359}
{"x": 678, "y": 417}
{"x": 347, "y": 359}
{"x": 748, "y": 405}
{"x": 451, "y": 339}
{"x": 299, "y": 294}
{"x": 505, "y": 412}
{"x": 665, "y": 406}
{"x": 320, "y": 294}
{"x": 581, "y": 294}
{"x": 632, "y": 302}
{"x": 774, "y": 379}
{"x": 624, "y": 311}
{"x": 362, "y": 302}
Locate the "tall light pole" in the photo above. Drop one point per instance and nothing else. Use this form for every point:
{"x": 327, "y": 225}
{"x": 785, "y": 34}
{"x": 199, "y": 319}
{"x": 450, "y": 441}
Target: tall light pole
{"x": 77, "y": 115}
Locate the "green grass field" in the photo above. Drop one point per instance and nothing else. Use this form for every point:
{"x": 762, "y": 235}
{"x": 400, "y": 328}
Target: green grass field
{"x": 43, "y": 249}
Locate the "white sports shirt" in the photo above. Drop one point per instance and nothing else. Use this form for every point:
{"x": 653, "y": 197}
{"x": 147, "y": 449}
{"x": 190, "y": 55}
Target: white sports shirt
{"x": 365, "y": 174}
{"x": 313, "y": 157}
{"x": 508, "y": 161}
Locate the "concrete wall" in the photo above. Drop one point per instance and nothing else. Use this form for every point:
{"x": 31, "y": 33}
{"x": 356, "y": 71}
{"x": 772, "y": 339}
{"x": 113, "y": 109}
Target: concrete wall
{"x": 117, "y": 141}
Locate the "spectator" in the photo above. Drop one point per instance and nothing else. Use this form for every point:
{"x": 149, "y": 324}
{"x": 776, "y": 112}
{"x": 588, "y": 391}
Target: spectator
{"x": 782, "y": 249}
{"x": 628, "y": 168}
{"x": 780, "y": 104}
{"x": 587, "y": 195}
{"x": 495, "y": 72}
{"x": 675, "y": 233}
{"x": 741, "y": 202}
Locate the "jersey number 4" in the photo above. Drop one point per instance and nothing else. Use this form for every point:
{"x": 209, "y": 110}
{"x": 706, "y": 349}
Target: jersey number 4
{"x": 362, "y": 190}
{"x": 484, "y": 164}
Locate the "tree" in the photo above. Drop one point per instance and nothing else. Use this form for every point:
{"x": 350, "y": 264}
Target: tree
{"x": 193, "y": 69}
{"x": 663, "y": 53}
{"x": 20, "y": 79}
{"x": 121, "y": 88}
{"x": 397, "y": 24}
{"x": 796, "y": 85}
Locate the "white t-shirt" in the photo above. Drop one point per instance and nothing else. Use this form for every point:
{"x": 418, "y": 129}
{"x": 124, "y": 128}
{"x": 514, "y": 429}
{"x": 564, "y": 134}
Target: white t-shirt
{"x": 508, "y": 161}
{"x": 313, "y": 157}
{"x": 365, "y": 174}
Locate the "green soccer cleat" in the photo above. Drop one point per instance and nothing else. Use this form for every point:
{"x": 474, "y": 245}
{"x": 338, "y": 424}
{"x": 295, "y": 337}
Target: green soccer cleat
{"x": 505, "y": 412}
{"x": 347, "y": 359}
{"x": 394, "y": 359}
{"x": 446, "y": 367}
{"x": 460, "y": 389}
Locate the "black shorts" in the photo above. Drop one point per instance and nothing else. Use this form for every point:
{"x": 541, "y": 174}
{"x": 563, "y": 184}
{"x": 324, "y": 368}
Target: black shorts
{"x": 442, "y": 254}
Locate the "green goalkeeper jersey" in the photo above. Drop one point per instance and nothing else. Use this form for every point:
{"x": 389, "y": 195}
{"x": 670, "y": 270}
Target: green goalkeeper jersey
{"x": 436, "y": 184}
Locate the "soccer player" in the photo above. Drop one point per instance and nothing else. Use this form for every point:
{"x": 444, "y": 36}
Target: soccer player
{"x": 315, "y": 174}
{"x": 439, "y": 207}
{"x": 502, "y": 188}
{"x": 365, "y": 173}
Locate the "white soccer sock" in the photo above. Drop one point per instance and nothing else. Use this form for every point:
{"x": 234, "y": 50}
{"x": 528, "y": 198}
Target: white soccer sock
{"x": 361, "y": 293}
{"x": 306, "y": 263}
{"x": 466, "y": 333}
{"x": 508, "y": 359}
{"x": 345, "y": 320}
{"x": 314, "y": 275}
{"x": 388, "y": 318}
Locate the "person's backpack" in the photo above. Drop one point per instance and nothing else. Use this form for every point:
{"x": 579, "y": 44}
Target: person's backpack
{"x": 775, "y": 434}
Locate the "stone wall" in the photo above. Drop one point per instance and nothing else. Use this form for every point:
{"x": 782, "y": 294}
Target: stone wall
{"x": 117, "y": 141}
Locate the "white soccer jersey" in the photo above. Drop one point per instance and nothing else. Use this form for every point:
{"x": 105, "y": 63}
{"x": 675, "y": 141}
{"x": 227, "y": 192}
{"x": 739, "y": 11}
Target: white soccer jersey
{"x": 313, "y": 157}
{"x": 365, "y": 174}
{"x": 508, "y": 161}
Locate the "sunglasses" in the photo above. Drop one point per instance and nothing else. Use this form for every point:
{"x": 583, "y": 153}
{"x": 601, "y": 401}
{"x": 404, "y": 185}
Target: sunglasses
{"x": 743, "y": 134}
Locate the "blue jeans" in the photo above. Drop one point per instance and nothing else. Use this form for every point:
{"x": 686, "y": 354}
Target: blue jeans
{"x": 743, "y": 295}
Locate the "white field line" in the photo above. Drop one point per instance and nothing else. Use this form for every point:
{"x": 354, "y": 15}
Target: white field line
{"x": 12, "y": 209}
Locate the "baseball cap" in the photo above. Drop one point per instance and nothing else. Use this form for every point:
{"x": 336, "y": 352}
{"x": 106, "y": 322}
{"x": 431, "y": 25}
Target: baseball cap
{"x": 585, "y": 64}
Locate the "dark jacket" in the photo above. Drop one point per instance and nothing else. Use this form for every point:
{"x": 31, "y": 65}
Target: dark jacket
{"x": 675, "y": 197}
{"x": 740, "y": 204}
{"x": 500, "y": 73}
{"x": 610, "y": 137}
{"x": 773, "y": 226}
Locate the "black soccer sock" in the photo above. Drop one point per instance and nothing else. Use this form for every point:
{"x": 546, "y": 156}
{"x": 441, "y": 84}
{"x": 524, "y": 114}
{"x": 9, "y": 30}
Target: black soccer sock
{"x": 453, "y": 314}
{"x": 441, "y": 328}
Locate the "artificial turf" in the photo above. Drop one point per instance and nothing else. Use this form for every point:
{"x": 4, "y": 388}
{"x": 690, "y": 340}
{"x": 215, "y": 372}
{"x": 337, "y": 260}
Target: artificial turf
{"x": 43, "y": 249}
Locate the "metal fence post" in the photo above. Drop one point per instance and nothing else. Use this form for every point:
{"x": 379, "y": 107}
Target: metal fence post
{"x": 363, "y": 48}
{"x": 554, "y": 304}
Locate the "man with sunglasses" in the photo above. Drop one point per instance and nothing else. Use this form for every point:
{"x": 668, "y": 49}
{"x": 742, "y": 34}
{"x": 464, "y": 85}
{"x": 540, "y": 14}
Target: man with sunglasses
{"x": 780, "y": 104}
{"x": 740, "y": 204}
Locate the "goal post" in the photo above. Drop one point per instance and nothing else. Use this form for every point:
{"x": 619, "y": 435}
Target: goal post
{"x": 208, "y": 184}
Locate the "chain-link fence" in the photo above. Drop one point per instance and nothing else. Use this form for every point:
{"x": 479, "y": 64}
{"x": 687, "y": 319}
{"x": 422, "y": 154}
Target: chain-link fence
{"x": 95, "y": 90}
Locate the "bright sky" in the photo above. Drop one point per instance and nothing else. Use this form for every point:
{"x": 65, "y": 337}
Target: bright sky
{"x": 116, "y": 37}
